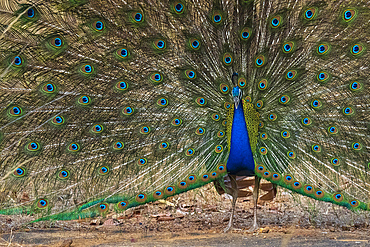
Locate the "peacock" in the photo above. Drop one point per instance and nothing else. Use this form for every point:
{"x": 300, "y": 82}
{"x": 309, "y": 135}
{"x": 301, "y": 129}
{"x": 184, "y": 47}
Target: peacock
{"x": 107, "y": 105}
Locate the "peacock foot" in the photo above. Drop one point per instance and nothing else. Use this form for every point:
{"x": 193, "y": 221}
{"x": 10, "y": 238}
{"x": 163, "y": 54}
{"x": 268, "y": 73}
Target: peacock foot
{"x": 230, "y": 229}
{"x": 254, "y": 228}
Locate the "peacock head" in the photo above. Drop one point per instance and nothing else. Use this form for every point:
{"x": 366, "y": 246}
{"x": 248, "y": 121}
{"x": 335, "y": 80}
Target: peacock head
{"x": 237, "y": 96}
{"x": 237, "y": 92}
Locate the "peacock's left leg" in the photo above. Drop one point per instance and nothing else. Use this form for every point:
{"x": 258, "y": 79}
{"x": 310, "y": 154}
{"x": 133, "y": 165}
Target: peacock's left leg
{"x": 256, "y": 190}
{"x": 234, "y": 194}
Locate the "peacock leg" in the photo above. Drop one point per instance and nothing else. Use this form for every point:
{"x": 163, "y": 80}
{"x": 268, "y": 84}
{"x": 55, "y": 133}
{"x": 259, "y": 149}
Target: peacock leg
{"x": 256, "y": 190}
{"x": 234, "y": 194}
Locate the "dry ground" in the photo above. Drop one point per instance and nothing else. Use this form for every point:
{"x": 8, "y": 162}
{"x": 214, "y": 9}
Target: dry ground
{"x": 197, "y": 218}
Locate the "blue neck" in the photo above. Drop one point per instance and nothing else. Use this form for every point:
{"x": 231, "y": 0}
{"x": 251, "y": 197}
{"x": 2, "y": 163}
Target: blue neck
{"x": 240, "y": 160}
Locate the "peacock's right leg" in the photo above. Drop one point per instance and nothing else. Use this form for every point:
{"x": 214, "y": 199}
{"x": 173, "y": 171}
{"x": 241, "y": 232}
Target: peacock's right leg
{"x": 234, "y": 194}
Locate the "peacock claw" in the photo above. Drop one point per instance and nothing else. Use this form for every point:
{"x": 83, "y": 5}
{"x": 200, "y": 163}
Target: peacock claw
{"x": 254, "y": 228}
{"x": 229, "y": 229}
{"x": 229, "y": 226}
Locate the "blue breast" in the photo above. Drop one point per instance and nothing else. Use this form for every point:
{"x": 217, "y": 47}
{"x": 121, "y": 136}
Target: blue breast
{"x": 240, "y": 160}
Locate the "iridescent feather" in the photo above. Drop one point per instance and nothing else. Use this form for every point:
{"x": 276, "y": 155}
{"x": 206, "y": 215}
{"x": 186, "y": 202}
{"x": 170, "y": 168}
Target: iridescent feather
{"x": 107, "y": 105}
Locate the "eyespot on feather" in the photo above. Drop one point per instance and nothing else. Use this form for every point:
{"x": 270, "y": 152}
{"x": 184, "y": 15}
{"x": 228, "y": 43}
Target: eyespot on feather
{"x": 141, "y": 198}
{"x": 227, "y": 59}
{"x": 272, "y": 117}
{"x": 220, "y": 134}
{"x": 285, "y": 134}
{"x": 73, "y": 147}
{"x": 156, "y": 78}
{"x": 122, "y": 85}
{"x": 291, "y": 154}
{"x": 17, "y": 61}
{"x": 84, "y": 100}
{"x": 170, "y": 190}
{"x": 103, "y": 170}
{"x": 275, "y": 176}
{"x": 355, "y": 86}
{"x": 323, "y": 76}
{"x": 98, "y": 25}
{"x": 296, "y": 185}
{"x": 176, "y": 122}
{"x": 56, "y": 42}
{"x": 310, "y": 13}
{"x": 128, "y": 111}
{"x": 201, "y": 101}
{"x": 159, "y": 44}
{"x": 162, "y": 102}
{"x": 215, "y": 117}
{"x": 219, "y": 149}
{"x": 19, "y": 172}
{"x": 227, "y": 105}
{"x": 284, "y": 99}
{"x": 205, "y": 177}
{"x": 288, "y": 47}
{"x": 118, "y": 145}
{"x": 122, "y": 205}
{"x": 42, "y": 203}
{"x": 267, "y": 174}
{"x": 276, "y": 21}
{"x": 97, "y": 128}
{"x": 260, "y": 61}
{"x": 306, "y": 121}
{"x": 319, "y": 194}
{"x": 142, "y": 161}
{"x": 263, "y": 150}
{"x": 137, "y": 17}
{"x": 259, "y": 168}
{"x": 33, "y": 146}
{"x": 335, "y": 161}
{"x": 259, "y": 104}
{"x": 357, "y": 49}
{"x": 123, "y": 53}
{"x": 316, "y": 148}
{"x": 224, "y": 88}
{"x": 316, "y": 104}
{"x": 308, "y": 189}
{"x": 178, "y": 7}
{"x": 338, "y": 197}
{"x": 217, "y": 17}
{"x": 158, "y": 194}
{"x": 15, "y": 111}
{"x": 263, "y": 136}
{"x": 200, "y": 131}
{"x": 48, "y": 88}
{"x": 323, "y": 49}
{"x": 349, "y": 15}
{"x": 145, "y": 130}
{"x": 242, "y": 82}
{"x": 333, "y": 130}
{"x": 63, "y": 174}
{"x": 262, "y": 85}
{"x": 221, "y": 168}
{"x": 245, "y": 33}
{"x": 291, "y": 75}
{"x": 288, "y": 179}
{"x": 164, "y": 145}
{"x": 191, "y": 179}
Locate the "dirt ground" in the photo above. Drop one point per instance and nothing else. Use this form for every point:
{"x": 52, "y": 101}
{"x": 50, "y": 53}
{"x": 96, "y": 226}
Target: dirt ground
{"x": 198, "y": 218}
